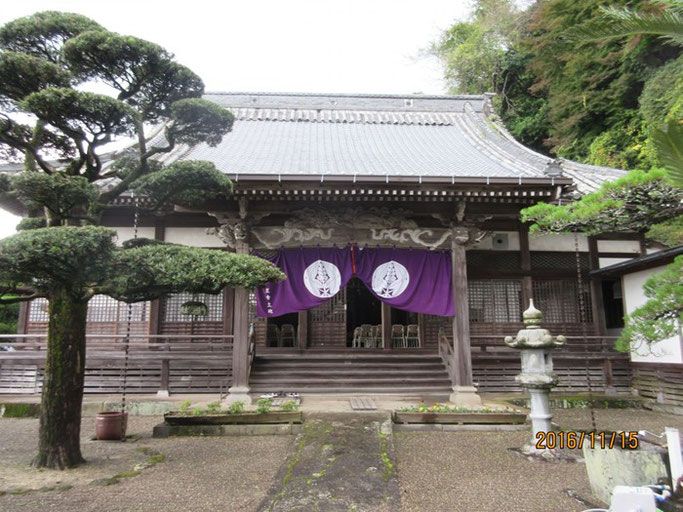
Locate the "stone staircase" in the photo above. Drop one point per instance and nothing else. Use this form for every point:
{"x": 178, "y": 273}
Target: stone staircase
{"x": 349, "y": 371}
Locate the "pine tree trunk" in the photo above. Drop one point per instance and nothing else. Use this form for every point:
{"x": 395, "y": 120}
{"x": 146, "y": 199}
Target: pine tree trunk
{"x": 60, "y": 412}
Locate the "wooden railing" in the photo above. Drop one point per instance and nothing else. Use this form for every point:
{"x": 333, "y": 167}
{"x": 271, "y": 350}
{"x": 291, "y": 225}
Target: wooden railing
{"x": 581, "y": 359}
{"x": 178, "y": 363}
{"x": 446, "y": 353}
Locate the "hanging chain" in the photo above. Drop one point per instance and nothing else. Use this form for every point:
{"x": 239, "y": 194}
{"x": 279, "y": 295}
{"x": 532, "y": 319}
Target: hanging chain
{"x": 582, "y": 319}
{"x": 129, "y": 320}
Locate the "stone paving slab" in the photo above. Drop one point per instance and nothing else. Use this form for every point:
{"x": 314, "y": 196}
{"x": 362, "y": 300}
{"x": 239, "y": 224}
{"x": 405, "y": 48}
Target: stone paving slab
{"x": 340, "y": 462}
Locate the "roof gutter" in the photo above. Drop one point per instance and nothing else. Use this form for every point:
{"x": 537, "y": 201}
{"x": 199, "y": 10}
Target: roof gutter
{"x": 385, "y": 178}
{"x": 645, "y": 262}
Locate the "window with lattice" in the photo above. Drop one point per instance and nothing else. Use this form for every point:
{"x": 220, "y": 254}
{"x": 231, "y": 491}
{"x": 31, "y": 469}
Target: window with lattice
{"x": 495, "y": 300}
{"x": 173, "y": 303}
{"x": 500, "y": 260}
{"x": 559, "y": 301}
{"x": 542, "y": 260}
{"x": 333, "y": 310}
{"x": 101, "y": 308}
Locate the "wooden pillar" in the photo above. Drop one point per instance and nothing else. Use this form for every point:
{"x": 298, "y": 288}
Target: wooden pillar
{"x": 464, "y": 392}
{"x": 597, "y": 304}
{"x": 239, "y": 391}
{"x": 165, "y": 379}
{"x": 303, "y": 330}
{"x": 386, "y": 326}
{"x": 598, "y": 310}
{"x": 155, "y": 305}
{"x": 22, "y": 321}
{"x": 154, "y": 326}
{"x": 525, "y": 264}
{"x": 228, "y": 311}
{"x": 643, "y": 246}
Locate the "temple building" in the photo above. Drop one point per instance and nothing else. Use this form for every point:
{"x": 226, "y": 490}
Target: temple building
{"x": 396, "y": 219}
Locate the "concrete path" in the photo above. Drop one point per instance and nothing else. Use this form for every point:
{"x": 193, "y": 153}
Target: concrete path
{"x": 341, "y": 462}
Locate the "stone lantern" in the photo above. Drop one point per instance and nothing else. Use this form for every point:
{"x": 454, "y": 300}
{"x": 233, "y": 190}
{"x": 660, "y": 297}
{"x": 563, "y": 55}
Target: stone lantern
{"x": 537, "y": 370}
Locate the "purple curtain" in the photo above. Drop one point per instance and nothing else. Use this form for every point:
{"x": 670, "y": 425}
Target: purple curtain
{"x": 314, "y": 275}
{"x": 411, "y": 279}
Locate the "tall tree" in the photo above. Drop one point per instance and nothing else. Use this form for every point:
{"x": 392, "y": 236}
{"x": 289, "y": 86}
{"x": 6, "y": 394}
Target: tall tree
{"x": 665, "y": 20}
{"x": 579, "y": 98}
{"x": 63, "y": 255}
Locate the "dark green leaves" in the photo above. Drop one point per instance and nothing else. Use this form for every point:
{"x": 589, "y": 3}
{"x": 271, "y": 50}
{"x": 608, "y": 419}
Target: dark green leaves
{"x": 42, "y": 34}
{"x": 28, "y": 223}
{"x": 150, "y": 271}
{"x": 185, "y": 183}
{"x": 669, "y": 143}
{"x": 144, "y": 73}
{"x": 21, "y": 75}
{"x": 632, "y": 203}
{"x": 84, "y": 261}
{"x": 60, "y": 194}
{"x": 660, "y": 317}
{"x": 79, "y": 114}
{"x": 614, "y": 22}
{"x": 196, "y": 120}
{"x": 69, "y": 258}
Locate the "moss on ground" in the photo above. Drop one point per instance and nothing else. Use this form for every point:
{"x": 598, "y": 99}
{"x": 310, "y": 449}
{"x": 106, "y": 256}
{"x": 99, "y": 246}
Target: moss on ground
{"x": 18, "y": 410}
{"x": 389, "y": 466}
{"x": 18, "y": 491}
{"x": 153, "y": 458}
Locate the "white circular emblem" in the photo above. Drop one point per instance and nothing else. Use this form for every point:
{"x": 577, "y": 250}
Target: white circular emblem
{"x": 390, "y": 279}
{"x": 322, "y": 278}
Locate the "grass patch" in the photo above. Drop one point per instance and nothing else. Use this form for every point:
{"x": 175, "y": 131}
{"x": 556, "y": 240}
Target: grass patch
{"x": 127, "y": 474}
{"x": 389, "y": 466}
{"x": 19, "y": 491}
{"x": 153, "y": 456}
{"x": 104, "y": 482}
{"x": 14, "y": 410}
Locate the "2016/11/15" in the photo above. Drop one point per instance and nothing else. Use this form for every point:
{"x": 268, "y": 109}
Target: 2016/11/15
{"x": 575, "y": 440}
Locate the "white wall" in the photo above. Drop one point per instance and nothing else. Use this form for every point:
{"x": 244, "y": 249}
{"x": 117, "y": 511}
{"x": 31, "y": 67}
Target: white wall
{"x": 665, "y": 351}
{"x": 628, "y": 246}
{"x": 195, "y": 237}
{"x": 563, "y": 243}
{"x": 606, "y": 262}
{"x": 124, "y": 234}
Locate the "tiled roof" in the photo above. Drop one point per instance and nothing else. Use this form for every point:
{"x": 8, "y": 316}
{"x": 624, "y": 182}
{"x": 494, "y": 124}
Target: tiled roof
{"x": 375, "y": 135}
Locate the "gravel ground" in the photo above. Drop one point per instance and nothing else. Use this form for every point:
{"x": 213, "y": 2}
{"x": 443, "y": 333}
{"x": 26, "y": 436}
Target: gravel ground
{"x": 449, "y": 471}
{"x": 438, "y": 471}
{"x": 199, "y": 474}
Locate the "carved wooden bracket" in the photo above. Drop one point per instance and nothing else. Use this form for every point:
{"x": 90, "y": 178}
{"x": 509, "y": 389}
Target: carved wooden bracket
{"x": 235, "y": 226}
{"x": 468, "y": 236}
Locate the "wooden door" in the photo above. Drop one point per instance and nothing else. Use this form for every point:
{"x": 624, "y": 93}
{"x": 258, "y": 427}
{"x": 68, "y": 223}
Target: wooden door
{"x": 327, "y": 323}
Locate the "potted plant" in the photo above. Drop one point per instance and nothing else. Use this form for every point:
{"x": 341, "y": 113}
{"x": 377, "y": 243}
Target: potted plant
{"x": 445, "y": 414}
{"x": 111, "y": 425}
{"x": 234, "y": 414}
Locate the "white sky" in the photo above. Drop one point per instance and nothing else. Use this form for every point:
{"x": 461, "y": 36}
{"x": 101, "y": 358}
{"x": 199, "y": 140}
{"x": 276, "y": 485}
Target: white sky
{"x": 353, "y": 46}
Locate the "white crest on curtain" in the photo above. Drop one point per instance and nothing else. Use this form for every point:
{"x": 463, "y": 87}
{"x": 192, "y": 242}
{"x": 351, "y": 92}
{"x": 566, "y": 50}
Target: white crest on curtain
{"x": 322, "y": 278}
{"x": 390, "y": 279}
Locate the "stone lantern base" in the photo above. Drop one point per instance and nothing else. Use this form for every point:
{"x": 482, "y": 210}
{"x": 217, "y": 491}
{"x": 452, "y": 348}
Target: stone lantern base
{"x": 465, "y": 396}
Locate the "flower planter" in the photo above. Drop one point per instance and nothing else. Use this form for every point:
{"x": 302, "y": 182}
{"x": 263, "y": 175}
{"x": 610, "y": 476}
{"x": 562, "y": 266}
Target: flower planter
{"x": 246, "y": 418}
{"x": 111, "y": 426}
{"x": 458, "y": 418}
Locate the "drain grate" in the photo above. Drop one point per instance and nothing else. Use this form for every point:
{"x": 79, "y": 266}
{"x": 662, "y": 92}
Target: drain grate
{"x": 362, "y": 403}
